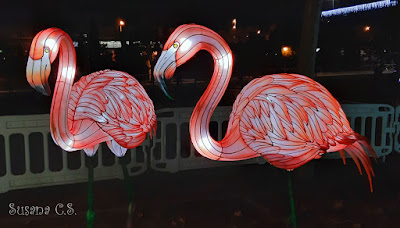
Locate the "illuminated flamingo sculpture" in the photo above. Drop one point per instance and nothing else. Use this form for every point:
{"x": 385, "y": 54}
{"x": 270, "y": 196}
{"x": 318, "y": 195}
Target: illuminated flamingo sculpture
{"x": 288, "y": 119}
{"x": 105, "y": 106}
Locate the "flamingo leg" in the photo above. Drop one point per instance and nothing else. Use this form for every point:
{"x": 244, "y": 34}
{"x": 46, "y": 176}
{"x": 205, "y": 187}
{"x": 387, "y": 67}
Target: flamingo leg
{"x": 292, "y": 207}
{"x": 90, "y": 212}
{"x": 120, "y": 152}
{"x": 129, "y": 190}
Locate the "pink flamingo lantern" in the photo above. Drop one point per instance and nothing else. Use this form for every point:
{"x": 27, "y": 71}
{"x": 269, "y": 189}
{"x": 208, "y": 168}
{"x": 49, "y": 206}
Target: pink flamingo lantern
{"x": 105, "y": 106}
{"x": 288, "y": 119}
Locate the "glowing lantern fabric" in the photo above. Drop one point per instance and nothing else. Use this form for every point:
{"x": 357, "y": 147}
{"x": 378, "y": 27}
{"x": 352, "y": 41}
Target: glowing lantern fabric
{"x": 105, "y": 106}
{"x": 288, "y": 119}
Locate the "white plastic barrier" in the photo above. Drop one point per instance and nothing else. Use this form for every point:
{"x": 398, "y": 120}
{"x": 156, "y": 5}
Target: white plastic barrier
{"x": 372, "y": 120}
{"x": 375, "y": 121}
{"x": 179, "y": 154}
{"x": 397, "y": 130}
{"x": 29, "y": 158}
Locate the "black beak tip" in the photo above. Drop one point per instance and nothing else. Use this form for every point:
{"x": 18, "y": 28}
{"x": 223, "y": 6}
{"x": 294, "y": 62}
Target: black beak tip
{"x": 163, "y": 87}
{"x": 43, "y": 91}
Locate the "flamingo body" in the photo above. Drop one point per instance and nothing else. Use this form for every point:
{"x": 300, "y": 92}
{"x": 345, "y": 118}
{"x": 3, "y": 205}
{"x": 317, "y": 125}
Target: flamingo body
{"x": 288, "y": 119}
{"x": 114, "y": 106}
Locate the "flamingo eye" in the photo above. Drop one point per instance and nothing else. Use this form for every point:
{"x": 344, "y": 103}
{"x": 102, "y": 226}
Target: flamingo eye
{"x": 46, "y": 49}
{"x": 175, "y": 45}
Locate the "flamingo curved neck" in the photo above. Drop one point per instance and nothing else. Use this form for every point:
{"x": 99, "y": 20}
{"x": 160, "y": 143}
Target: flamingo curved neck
{"x": 200, "y": 119}
{"x": 59, "y": 108}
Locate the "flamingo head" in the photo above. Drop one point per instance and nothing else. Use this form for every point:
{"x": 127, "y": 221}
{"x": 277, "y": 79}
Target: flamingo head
{"x": 181, "y": 46}
{"x": 43, "y": 52}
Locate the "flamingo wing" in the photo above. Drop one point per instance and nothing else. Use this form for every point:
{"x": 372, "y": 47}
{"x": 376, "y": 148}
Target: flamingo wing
{"x": 116, "y": 102}
{"x": 289, "y": 119}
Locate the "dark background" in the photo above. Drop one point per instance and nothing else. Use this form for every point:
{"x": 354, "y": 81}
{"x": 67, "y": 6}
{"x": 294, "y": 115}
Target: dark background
{"x": 327, "y": 194}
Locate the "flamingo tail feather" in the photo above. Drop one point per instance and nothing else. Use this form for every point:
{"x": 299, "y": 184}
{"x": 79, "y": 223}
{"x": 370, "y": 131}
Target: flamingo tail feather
{"x": 361, "y": 157}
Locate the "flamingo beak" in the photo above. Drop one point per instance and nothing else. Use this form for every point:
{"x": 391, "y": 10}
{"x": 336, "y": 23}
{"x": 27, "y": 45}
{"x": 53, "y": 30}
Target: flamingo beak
{"x": 37, "y": 73}
{"x": 165, "y": 68}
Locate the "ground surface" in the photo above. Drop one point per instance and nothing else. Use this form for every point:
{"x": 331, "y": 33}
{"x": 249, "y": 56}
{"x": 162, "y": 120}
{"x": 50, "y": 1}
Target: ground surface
{"x": 327, "y": 194}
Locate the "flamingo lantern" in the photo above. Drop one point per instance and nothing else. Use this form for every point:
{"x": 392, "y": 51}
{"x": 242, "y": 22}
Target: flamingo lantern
{"x": 288, "y": 119}
{"x": 105, "y": 106}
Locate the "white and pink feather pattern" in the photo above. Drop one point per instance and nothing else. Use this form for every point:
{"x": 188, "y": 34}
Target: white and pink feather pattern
{"x": 116, "y": 102}
{"x": 105, "y": 106}
{"x": 288, "y": 119}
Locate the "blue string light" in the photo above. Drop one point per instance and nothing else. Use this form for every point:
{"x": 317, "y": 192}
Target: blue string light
{"x": 359, "y": 8}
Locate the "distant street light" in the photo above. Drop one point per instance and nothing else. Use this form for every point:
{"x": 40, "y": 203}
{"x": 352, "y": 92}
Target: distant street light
{"x": 234, "y": 23}
{"x": 367, "y": 28}
{"x": 121, "y": 23}
{"x": 286, "y": 51}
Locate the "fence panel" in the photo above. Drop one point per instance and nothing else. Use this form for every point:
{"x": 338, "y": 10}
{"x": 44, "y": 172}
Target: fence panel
{"x": 29, "y": 158}
{"x": 179, "y": 154}
{"x": 375, "y": 121}
{"x": 397, "y": 131}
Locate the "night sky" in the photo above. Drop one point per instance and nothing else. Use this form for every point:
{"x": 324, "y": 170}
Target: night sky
{"x": 24, "y": 18}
